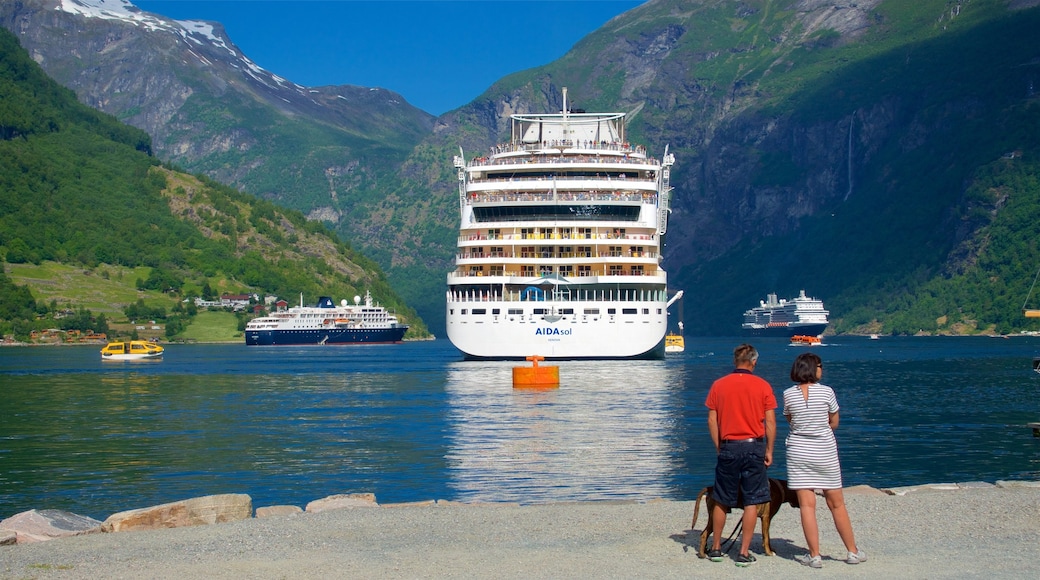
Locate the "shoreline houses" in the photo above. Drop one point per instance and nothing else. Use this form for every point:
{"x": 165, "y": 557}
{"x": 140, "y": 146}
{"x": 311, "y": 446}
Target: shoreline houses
{"x": 238, "y": 302}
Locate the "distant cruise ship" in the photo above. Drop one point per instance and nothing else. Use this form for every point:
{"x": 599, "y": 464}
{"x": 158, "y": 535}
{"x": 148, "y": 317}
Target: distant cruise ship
{"x": 559, "y": 248}
{"x": 772, "y": 317}
{"x": 327, "y": 323}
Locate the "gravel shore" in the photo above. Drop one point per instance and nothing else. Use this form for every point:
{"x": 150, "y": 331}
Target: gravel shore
{"x": 941, "y": 531}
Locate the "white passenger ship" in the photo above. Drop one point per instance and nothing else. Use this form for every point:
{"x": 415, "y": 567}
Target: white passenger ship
{"x": 327, "y": 323}
{"x": 803, "y": 315}
{"x": 559, "y": 249}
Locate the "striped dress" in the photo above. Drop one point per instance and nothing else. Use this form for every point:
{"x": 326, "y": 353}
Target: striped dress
{"x": 812, "y": 453}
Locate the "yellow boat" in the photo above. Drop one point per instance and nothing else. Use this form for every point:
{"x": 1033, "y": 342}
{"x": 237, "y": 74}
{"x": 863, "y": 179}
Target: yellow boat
{"x": 131, "y": 350}
{"x": 674, "y": 342}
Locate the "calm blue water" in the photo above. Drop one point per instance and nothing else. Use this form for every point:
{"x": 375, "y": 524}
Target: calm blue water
{"x": 413, "y": 422}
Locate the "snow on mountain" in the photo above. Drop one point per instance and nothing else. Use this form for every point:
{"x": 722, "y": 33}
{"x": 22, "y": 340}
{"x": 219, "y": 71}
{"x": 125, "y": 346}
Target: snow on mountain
{"x": 195, "y": 32}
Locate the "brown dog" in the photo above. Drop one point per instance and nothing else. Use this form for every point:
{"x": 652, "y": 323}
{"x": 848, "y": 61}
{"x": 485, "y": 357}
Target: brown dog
{"x": 778, "y": 495}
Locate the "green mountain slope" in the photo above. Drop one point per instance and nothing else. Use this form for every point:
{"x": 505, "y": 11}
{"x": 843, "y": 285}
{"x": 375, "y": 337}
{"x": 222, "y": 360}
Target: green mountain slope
{"x": 78, "y": 187}
{"x": 828, "y": 146}
{"x": 940, "y": 142}
{"x": 876, "y": 153}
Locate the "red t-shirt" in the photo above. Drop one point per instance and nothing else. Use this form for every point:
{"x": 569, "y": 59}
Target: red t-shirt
{"x": 740, "y": 400}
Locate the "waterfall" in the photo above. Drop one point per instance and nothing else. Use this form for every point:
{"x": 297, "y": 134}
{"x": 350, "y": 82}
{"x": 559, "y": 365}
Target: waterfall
{"x": 852, "y": 121}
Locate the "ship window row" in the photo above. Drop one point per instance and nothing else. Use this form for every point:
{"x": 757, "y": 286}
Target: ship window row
{"x": 518, "y": 175}
{"x": 557, "y": 252}
{"x": 552, "y": 311}
{"x": 581, "y": 270}
{"x": 561, "y": 294}
{"x": 331, "y": 315}
{"x": 646, "y": 197}
{"x": 556, "y": 212}
{"x": 539, "y": 313}
{"x": 554, "y": 233}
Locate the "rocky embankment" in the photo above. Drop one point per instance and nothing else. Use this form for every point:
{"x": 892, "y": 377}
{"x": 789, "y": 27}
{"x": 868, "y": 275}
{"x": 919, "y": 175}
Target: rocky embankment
{"x": 964, "y": 530}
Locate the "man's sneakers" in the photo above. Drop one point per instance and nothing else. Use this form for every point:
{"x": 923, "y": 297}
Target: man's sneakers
{"x": 856, "y": 557}
{"x": 744, "y": 560}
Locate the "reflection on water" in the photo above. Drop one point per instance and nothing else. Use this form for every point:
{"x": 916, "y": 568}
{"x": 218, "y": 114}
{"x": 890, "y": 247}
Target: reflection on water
{"x": 601, "y": 435}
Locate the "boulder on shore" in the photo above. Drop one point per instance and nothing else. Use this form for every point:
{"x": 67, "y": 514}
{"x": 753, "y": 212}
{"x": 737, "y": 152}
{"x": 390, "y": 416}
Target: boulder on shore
{"x": 210, "y": 509}
{"x": 43, "y": 525}
{"x": 341, "y": 501}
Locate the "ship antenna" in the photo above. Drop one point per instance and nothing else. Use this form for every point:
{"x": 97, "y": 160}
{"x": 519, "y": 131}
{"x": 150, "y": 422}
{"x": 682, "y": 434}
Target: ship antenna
{"x": 565, "y": 104}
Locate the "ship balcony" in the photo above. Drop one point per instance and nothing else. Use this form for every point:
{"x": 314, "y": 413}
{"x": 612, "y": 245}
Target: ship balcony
{"x": 624, "y": 256}
{"x": 541, "y": 189}
{"x": 542, "y": 235}
{"x": 588, "y": 151}
{"x": 591, "y": 276}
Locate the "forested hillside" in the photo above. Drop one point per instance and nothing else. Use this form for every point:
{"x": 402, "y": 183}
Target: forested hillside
{"x": 79, "y": 187}
{"x": 879, "y": 154}
{"x": 875, "y": 154}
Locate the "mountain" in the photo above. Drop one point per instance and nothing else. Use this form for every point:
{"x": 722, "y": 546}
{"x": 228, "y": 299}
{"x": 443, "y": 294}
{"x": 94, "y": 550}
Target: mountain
{"x": 210, "y": 109}
{"x": 79, "y": 187}
{"x": 833, "y": 146}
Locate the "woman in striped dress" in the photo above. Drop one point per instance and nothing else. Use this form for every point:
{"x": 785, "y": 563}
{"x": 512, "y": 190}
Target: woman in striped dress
{"x": 812, "y": 456}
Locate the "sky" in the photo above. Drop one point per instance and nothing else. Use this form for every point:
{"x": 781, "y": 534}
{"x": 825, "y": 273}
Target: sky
{"x": 438, "y": 54}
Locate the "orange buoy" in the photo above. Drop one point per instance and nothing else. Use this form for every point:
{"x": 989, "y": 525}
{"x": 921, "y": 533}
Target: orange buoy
{"x": 536, "y": 376}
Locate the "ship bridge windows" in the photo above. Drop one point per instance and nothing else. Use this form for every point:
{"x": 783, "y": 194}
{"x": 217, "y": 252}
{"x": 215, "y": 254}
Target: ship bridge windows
{"x": 560, "y": 212}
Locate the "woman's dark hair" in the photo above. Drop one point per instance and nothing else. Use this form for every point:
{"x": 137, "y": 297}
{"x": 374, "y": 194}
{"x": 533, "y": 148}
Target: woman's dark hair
{"x": 804, "y": 368}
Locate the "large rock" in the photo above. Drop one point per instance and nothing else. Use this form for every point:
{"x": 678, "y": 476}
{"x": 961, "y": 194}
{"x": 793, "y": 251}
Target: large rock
{"x": 210, "y": 509}
{"x": 341, "y": 501}
{"x": 43, "y": 525}
{"x": 278, "y": 510}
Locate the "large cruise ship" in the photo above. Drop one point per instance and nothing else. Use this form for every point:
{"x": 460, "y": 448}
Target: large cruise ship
{"x": 800, "y": 316}
{"x": 559, "y": 249}
{"x": 327, "y": 323}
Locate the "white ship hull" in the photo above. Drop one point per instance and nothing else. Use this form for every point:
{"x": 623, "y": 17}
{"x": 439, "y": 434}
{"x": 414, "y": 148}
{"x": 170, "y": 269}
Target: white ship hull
{"x": 559, "y": 249}
{"x": 505, "y": 337}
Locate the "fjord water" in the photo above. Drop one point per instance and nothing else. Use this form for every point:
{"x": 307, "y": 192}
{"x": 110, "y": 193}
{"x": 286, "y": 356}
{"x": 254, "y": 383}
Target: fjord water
{"x": 412, "y": 422}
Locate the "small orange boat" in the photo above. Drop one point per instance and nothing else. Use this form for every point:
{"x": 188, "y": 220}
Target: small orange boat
{"x": 805, "y": 340}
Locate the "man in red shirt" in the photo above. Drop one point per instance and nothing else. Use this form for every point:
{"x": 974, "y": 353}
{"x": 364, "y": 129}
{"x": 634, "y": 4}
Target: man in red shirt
{"x": 742, "y": 422}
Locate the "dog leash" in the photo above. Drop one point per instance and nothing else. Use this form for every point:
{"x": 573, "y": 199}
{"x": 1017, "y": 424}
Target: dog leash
{"x": 728, "y": 543}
